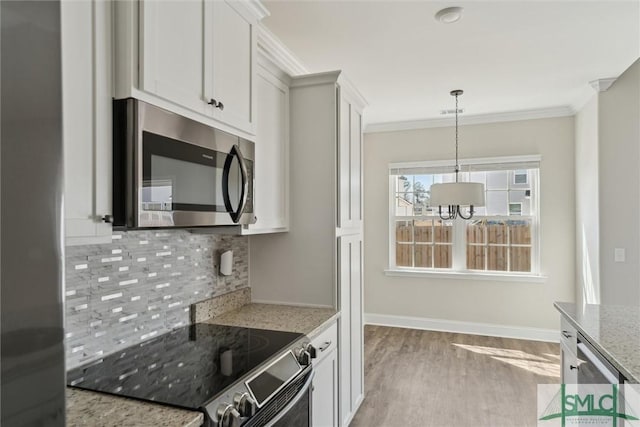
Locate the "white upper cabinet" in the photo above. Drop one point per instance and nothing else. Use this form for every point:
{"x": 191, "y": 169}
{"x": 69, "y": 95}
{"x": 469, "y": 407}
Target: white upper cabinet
{"x": 171, "y": 53}
{"x": 196, "y": 58}
{"x": 230, "y": 76}
{"x": 86, "y": 104}
{"x": 271, "y": 198}
{"x": 349, "y": 163}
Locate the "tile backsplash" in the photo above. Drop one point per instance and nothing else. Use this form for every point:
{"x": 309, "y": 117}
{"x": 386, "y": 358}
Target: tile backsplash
{"x": 141, "y": 285}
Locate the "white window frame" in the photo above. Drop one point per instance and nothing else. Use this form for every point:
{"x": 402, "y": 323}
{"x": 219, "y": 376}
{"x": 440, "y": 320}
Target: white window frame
{"x": 459, "y": 269}
{"x": 518, "y": 183}
{"x": 513, "y": 204}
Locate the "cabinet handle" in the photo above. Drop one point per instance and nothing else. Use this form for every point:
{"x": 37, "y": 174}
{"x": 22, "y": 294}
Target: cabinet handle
{"x": 108, "y": 219}
{"x": 216, "y": 104}
{"x": 324, "y": 346}
{"x": 566, "y": 334}
{"x": 571, "y": 367}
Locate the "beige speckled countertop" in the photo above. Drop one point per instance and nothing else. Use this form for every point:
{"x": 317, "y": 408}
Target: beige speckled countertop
{"x": 306, "y": 320}
{"x": 614, "y": 330}
{"x": 87, "y": 408}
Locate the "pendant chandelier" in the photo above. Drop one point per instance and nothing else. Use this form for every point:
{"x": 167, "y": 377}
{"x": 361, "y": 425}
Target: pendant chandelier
{"x": 452, "y": 197}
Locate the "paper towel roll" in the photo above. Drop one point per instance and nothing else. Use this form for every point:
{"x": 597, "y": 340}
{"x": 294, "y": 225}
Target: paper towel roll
{"x": 226, "y": 263}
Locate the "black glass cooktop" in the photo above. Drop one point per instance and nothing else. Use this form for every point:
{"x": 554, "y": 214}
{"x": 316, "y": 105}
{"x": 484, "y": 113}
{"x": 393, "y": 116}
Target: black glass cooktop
{"x": 186, "y": 367}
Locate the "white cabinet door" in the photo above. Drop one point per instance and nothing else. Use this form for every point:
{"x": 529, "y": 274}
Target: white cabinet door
{"x": 349, "y": 165}
{"x": 87, "y": 105}
{"x": 355, "y": 178}
{"x": 324, "y": 407}
{"x": 231, "y": 63}
{"x": 569, "y": 365}
{"x": 569, "y": 351}
{"x": 351, "y": 337}
{"x": 171, "y": 43}
{"x": 271, "y": 198}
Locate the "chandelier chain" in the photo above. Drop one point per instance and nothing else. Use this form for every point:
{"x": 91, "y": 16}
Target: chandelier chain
{"x": 457, "y": 165}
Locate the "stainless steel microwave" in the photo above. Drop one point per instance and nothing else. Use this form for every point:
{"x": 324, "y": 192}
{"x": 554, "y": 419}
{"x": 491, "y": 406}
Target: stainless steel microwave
{"x": 171, "y": 171}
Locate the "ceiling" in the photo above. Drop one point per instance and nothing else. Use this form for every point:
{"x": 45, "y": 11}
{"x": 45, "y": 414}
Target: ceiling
{"x": 507, "y": 55}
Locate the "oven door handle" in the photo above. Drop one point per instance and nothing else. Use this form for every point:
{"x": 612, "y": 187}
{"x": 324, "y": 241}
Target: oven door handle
{"x": 235, "y": 214}
{"x": 293, "y": 402}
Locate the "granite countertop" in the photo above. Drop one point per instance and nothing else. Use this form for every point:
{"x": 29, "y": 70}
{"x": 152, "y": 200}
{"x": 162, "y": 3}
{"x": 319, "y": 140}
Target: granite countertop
{"x": 614, "y": 330}
{"x": 306, "y": 320}
{"x": 87, "y": 408}
{"x": 103, "y": 410}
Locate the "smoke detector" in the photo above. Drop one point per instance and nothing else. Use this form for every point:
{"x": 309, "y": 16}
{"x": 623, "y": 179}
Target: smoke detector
{"x": 449, "y": 15}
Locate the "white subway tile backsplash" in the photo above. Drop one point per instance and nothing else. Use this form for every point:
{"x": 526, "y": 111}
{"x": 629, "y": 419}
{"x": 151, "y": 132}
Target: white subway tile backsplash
{"x": 110, "y": 296}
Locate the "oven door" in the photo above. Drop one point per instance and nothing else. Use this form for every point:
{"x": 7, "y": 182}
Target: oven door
{"x": 291, "y": 407}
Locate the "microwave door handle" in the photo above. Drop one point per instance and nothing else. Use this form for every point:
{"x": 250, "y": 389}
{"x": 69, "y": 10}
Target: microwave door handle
{"x": 245, "y": 182}
{"x": 235, "y": 214}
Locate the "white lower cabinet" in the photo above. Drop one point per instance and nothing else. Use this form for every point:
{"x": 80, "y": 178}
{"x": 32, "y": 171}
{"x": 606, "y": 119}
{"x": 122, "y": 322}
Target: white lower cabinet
{"x": 351, "y": 340}
{"x": 568, "y": 350}
{"x": 325, "y": 392}
{"x": 324, "y": 409}
{"x": 569, "y": 365}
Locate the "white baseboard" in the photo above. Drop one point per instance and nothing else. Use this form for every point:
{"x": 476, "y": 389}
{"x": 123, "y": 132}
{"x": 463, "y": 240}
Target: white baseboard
{"x": 488, "y": 329}
{"x": 293, "y": 304}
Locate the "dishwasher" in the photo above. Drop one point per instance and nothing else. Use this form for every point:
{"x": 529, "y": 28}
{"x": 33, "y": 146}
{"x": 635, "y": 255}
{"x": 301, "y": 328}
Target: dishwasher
{"x": 593, "y": 367}
{"x": 593, "y": 371}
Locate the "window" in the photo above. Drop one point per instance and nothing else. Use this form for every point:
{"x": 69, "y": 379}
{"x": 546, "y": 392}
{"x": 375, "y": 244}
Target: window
{"x": 500, "y": 238}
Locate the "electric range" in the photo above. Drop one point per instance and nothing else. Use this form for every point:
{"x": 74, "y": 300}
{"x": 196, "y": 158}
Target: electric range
{"x": 236, "y": 376}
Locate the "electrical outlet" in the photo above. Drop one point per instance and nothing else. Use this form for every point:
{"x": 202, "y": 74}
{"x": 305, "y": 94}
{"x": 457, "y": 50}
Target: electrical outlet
{"x": 619, "y": 254}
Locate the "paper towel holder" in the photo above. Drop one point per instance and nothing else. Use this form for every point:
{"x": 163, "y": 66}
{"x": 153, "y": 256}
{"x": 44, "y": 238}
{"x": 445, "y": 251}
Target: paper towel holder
{"x": 226, "y": 263}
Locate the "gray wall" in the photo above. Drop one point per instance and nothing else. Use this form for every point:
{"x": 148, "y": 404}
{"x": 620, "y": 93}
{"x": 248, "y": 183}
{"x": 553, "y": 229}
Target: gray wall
{"x": 587, "y": 212}
{"x": 509, "y": 304}
{"x": 141, "y": 285}
{"x": 619, "y": 175}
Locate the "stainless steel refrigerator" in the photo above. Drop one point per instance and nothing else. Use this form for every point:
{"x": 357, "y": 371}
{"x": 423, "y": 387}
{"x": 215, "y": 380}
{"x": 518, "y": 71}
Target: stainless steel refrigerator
{"x": 32, "y": 369}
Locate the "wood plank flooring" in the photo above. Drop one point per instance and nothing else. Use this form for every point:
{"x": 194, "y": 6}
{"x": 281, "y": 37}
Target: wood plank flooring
{"x": 422, "y": 378}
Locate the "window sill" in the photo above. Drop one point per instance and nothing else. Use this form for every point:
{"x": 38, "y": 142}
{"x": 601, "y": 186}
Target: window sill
{"x": 470, "y": 275}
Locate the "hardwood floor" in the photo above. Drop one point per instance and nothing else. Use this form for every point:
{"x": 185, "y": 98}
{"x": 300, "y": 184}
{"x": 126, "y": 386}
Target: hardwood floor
{"x": 424, "y": 378}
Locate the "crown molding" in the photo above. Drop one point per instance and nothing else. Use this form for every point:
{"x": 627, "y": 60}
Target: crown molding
{"x": 268, "y": 66}
{"x": 257, "y": 9}
{"x": 315, "y": 79}
{"x": 511, "y": 116}
{"x": 602, "y": 85}
{"x": 599, "y": 85}
{"x": 352, "y": 92}
{"x": 277, "y": 52}
{"x": 581, "y": 100}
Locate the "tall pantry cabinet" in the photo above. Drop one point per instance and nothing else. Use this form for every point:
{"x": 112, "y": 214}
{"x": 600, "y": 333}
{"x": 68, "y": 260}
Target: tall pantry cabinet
{"x": 319, "y": 261}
